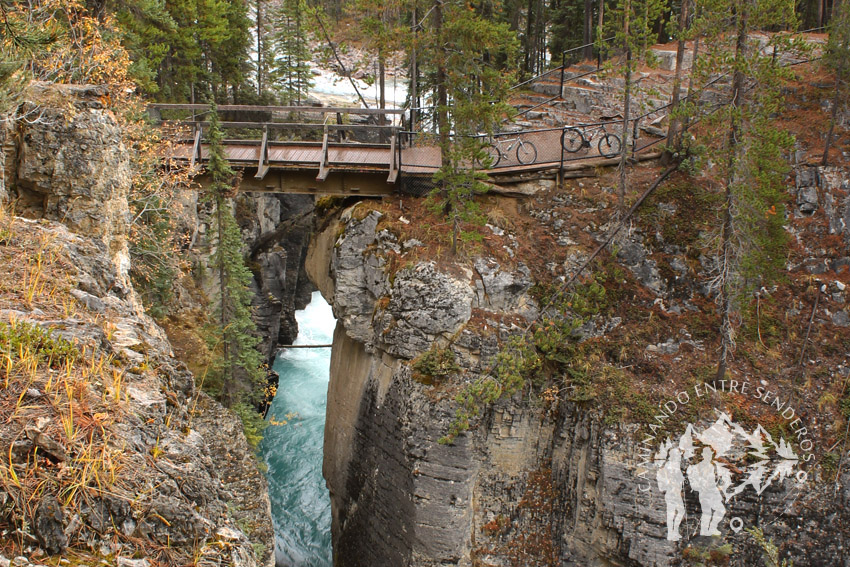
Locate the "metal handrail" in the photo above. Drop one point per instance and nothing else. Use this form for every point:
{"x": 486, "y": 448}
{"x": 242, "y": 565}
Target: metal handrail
{"x": 255, "y": 108}
{"x": 284, "y": 125}
{"x": 559, "y": 67}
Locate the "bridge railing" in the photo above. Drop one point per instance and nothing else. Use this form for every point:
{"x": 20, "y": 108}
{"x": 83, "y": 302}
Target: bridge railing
{"x": 419, "y": 153}
{"x": 303, "y": 123}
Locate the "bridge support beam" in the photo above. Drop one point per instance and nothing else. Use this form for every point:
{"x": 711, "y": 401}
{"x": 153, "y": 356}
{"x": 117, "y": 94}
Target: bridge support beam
{"x": 365, "y": 184}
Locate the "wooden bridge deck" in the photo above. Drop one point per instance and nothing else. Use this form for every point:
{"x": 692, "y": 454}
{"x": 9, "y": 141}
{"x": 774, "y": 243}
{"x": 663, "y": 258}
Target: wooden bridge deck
{"x": 349, "y": 167}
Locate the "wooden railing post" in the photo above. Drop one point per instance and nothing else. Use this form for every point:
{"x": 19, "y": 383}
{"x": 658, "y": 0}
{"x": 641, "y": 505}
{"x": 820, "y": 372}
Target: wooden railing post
{"x": 263, "y": 161}
{"x": 196, "y": 147}
{"x": 393, "y": 161}
{"x": 324, "y": 170}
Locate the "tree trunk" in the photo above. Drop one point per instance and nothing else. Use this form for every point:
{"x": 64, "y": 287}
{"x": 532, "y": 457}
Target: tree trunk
{"x": 382, "y": 85}
{"x": 259, "y": 48}
{"x": 587, "y": 53}
{"x": 833, "y": 116}
{"x": 599, "y": 35}
{"x": 442, "y": 96}
{"x": 624, "y": 150}
{"x": 528, "y": 41}
{"x": 661, "y": 25}
{"x": 414, "y": 75}
{"x": 726, "y": 245}
{"x": 382, "y": 95}
{"x": 673, "y": 141}
{"x": 227, "y": 382}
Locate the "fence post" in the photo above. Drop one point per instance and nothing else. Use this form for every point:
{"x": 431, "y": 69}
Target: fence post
{"x": 561, "y": 166}
{"x": 399, "y": 180}
{"x": 635, "y": 136}
{"x": 563, "y": 67}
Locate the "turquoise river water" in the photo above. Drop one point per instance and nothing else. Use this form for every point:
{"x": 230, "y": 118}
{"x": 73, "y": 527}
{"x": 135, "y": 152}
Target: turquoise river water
{"x": 292, "y": 444}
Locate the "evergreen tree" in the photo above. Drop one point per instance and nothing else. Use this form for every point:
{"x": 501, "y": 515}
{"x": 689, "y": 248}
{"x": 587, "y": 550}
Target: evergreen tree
{"x": 748, "y": 148}
{"x": 631, "y": 23}
{"x": 184, "y": 50}
{"x": 567, "y": 25}
{"x": 24, "y": 36}
{"x": 470, "y": 90}
{"x": 837, "y": 59}
{"x": 147, "y": 30}
{"x": 239, "y": 376}
{"x": 263, "y": 30}
{"x": 291, "y": 74}
{"x": 381, "y": 26}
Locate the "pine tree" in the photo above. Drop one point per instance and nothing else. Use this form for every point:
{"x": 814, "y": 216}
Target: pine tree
{"x": 837, "y": 60}
{"x": 24, "y": 36}
{"x": 263, "y": 30}
{"x": 239, "y": 374}
{"x": 631, "y": 23}
{"x": 381, "y": 26}
{"x": 470, "y": 90}
{"x": 147, "y": 29}
{"x": 290, "y": 69}
{"x": 184, "y": 50}
{"x": 748, "y": 148}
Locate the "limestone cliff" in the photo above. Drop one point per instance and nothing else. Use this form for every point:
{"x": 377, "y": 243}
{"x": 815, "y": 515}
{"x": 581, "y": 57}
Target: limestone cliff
{"x": 558, "y": 476}
{"x": 110, "y": 451}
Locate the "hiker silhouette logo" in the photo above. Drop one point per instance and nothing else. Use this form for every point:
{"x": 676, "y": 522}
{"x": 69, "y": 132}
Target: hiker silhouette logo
{"x": 718, "y": 463}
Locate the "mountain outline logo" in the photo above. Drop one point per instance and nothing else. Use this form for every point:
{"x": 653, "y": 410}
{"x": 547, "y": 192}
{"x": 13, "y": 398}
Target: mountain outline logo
{"x": 720, "y": 462}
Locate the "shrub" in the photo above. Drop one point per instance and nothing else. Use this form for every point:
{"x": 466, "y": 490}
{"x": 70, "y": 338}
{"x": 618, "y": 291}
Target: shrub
{"x": 19, "y": 340}
{"x": 434, "y": 365}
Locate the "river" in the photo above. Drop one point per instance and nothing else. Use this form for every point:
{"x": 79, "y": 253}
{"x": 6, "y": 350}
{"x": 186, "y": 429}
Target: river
{"x": 292, "y": 444}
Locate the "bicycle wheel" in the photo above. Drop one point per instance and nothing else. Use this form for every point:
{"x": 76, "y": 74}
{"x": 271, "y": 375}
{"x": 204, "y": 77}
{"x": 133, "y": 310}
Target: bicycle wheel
{"x": 572, "y": 140}
{"x": 526, "y": 153}
{"x": 491, "y": 157}
{"x": 609, "y": 145}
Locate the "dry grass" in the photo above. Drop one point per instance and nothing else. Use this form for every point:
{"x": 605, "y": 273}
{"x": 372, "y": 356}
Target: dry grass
{"x": 58, "y": 399}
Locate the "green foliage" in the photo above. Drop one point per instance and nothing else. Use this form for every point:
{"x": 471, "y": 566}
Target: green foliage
{"x": 482, "y": 392}
{"x": 836, "y": 57}
{"x": 567, "y": 21}
{"x": 20, "y": 339}
{"x": 185, "y": 49}
{"x": 455, "y": 193}
{"x": 463, "y": 48}
{"x": 829, "y": 464}
{"x": 238, "y": 373}
{"x": 747, "y": 147}
{"x": 435, "y": 364}
{"x": 844, "y": 406}
{"x": 25, "y": 34}
{"x": 147, "y": 31}
{"x": 547, "y": 354}
{"x": 153, "y": 271}
{"x": 291, "y": 73}
{"x": 699, "y": 555}
{"x": 632, "y": 25}
{"x": 253, "y": 423}
{"x": 769, "y": 549}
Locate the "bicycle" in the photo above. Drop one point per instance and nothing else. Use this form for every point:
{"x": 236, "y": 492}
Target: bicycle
{"x": 526, "y": 152}
{"x": 575, "y": 138}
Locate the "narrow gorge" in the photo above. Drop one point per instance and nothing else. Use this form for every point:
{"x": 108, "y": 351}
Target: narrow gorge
{"x": 538, "y": 391}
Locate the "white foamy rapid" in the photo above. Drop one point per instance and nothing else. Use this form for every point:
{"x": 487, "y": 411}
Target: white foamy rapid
{"x": 292, "y": 445}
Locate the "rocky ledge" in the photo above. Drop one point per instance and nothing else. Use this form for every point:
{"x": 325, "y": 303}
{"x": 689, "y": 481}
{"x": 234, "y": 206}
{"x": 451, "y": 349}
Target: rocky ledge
{"x": 548, "y": 480}
{"x": 110, "y": 451}
{"x": 119, "y": 453}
